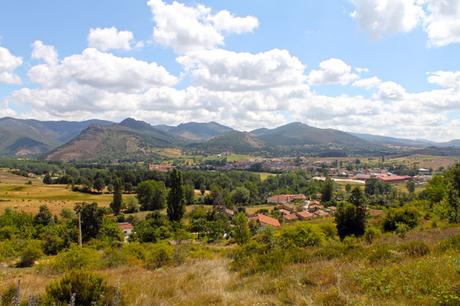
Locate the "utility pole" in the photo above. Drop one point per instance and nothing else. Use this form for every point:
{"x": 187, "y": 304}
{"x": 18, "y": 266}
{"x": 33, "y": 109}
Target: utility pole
{"x": 79, "y": 229}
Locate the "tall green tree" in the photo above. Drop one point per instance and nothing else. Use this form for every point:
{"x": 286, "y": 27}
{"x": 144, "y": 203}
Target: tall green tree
{"x": 350, "y": 217}
{"x": 410, "y": 186}
{"x": 176, "y": 203}
{"x": 240, "y": 195}
{"x": 151, "y": 195}
{"x": 189, "y": 194}
{"x": 99, "y": 184}
{"x": 241, "y": 232}
{"x": 91, "y": 219}
{"x": 453, "y": 204}
{"x": 327, "y": 192}
{"x": 44, "y": 216}
{"x": 117, "y": 201}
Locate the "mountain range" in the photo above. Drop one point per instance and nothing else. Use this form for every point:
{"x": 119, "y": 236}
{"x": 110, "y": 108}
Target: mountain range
{"x": 95, "y": 139}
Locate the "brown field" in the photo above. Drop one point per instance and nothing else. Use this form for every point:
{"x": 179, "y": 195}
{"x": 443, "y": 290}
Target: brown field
{"x": 16, "y": 192}
{"x": 424, "y": 161}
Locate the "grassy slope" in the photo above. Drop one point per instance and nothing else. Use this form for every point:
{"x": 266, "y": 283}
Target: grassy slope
{"x": 361, "y": 276}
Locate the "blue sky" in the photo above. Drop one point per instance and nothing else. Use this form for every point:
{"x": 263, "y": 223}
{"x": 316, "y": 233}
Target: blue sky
{"x": 265, "y": 64}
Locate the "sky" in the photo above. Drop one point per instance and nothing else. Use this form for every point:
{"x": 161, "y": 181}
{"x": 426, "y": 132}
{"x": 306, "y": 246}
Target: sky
{"x": 386, "y": 67}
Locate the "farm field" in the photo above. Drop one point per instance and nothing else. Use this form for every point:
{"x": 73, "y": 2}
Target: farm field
{"x": 28, "y": 194}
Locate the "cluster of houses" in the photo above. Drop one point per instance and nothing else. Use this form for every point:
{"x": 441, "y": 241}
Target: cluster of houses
{"x": 293, "y": 207}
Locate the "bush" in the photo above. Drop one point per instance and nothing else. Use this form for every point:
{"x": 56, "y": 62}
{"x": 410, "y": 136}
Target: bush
{"x": 75, "y": 258}
{"x": 301, "y": 235}
{"x": 29, "y": 255}
{"x": 113, "y": 257}
{"x": 84, "y": 287}
{"x": 159, "y": 255}
{"x": 453, "y": 243}
{"x": 408, "y": 216}
{"x": 329, "y": 230}
{"x": 415, "y": 248}
{"x": 8, "y": 295}
{"x": 382, "y": 253}
{"x": 371, "y": 234}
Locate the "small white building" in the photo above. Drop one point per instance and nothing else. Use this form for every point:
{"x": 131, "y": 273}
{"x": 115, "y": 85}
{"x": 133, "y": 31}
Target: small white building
{"x": 127, "y": 229}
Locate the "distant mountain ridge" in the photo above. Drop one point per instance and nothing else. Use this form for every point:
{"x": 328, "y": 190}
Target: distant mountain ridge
{"x": 31, "y": 137}
{"x": 393, "y": 141}
{"x": 94, "y": 139}
{"x": 196, "y": 131}
{"x": 297, "y": 133}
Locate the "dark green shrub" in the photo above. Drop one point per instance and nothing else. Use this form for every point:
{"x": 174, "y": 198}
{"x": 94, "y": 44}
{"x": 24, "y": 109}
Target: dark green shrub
{"x": 408, "y": 216}
{"x": 85, "y": 288}
{"x": 29, "y": 255}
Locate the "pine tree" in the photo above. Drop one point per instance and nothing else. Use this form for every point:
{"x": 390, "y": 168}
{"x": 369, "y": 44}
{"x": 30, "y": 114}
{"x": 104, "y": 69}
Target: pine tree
{"x": 117, "y": 201}
{"x": 176, "y": 203}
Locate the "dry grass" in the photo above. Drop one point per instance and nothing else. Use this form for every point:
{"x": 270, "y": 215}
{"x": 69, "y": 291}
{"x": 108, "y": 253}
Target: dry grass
{"x": 344, "y": 280}
{"x": 16, "y": 192}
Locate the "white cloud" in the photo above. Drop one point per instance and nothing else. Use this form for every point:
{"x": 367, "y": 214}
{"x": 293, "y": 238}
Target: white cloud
{"x": 442, "y": 24}
{"x": 445, "y": 78}
{"x": 226, "y": 70}
{"x": 367, "y": 83}
{"x": 440, "y": 18}
{"x": 186, "y": 28}
{"x": 109, "y": 38}
{"x": 8, "y": 64}
{"x": 103, "y": 71}
{"x": 391, "y": 90}
{"x": 332, "y": 71}
{"x": 224, "y": 21}
{"x": 387, "y": 16}
{"x": 44, "y": 52}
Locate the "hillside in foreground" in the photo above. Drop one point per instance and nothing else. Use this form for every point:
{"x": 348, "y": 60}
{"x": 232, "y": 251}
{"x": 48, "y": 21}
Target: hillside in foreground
{"x": 367, "y": 244}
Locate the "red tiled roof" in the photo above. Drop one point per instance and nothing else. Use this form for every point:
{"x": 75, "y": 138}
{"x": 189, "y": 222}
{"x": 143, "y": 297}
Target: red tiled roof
{"x": 393, "y": 178}
{"x": 321, "y": 213}
{"x": 268, "y": 220}
{"x": 291, "y": 217}
{"x": 305, "y": 215}
{"x": 284, "y": 211}
{"x": 125, "y": 226}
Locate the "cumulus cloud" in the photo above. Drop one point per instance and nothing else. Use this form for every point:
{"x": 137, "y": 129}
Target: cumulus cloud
{"x": 47, "y": 53}
{"x": 367, "y": 83}
{"x": 109, "y": 39}
{"x": 102, "y": 70}
{"x": 442, "y": 24}
{"x": 388, "y": 16}
{"x": 332, "y": 71}
{"x": 189, "y": 28}
{"x": 445, "y": 78}
{"x": 440, "y": 18}
{"x": 391, "y": 90}
{"x": 8, "y": 64}
{"x": 226, "y": 70}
